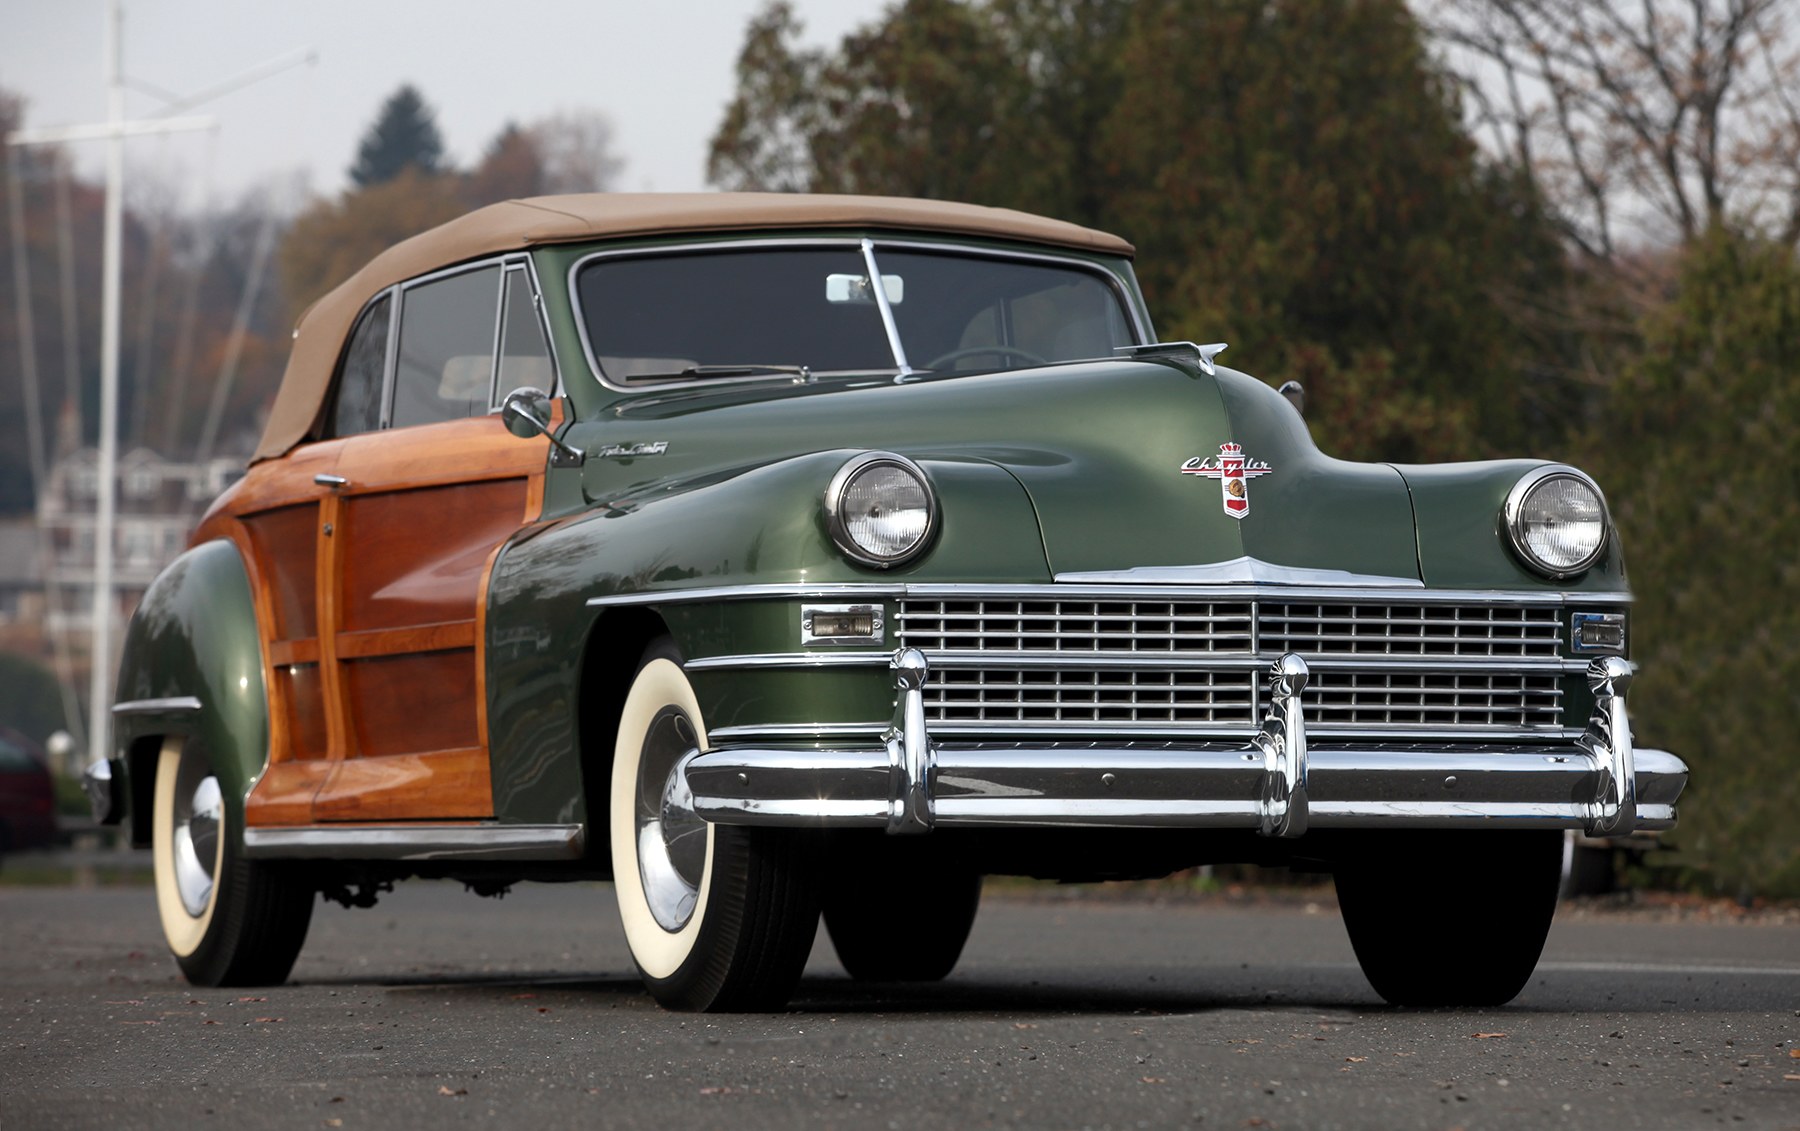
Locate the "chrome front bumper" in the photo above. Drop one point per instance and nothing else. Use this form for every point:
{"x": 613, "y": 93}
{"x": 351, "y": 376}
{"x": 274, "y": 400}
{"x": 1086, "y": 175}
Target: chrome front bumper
{"x": 1276, "y": 785}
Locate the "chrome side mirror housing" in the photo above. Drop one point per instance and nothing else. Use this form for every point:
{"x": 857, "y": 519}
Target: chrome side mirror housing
{"x": 526, "y": 413}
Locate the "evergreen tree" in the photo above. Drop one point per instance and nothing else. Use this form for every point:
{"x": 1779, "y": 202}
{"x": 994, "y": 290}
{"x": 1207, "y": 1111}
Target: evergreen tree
{"x": 405, "y": 135}
{"x": 1696, "y": 452}
{"x": 1294, "y": 172}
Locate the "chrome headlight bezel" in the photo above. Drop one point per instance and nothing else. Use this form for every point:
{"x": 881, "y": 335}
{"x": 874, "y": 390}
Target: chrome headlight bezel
{"x": 1514, "y": 517}
{"x": 837, "y": 521}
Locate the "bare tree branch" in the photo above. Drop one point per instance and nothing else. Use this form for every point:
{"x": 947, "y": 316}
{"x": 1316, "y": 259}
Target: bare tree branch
{"x": 1639, "y": 119}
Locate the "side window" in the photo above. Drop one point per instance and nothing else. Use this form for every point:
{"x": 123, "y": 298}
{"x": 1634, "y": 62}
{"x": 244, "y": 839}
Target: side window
{"x": 524, "y": 355}
{"x": 446, "y": 364}
{"x": 358, "y": 406}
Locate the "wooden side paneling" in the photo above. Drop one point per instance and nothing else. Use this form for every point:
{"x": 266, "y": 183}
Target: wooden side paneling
{"x": 285, "y": 541}
{"x": 411, "y": 704}
{"x": 446, "y": 784}
{"x": 419, "y": 554}
{"x": 285, "y": 794}
{"x": 301, "y": 695}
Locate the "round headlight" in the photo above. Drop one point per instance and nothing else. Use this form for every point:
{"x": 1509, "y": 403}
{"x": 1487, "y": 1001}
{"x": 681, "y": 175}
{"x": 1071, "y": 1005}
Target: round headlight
{"x": 880, "y": 509}
{"x": 1557, "y": 520}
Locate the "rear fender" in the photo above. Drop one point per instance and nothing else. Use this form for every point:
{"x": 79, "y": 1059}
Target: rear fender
{"x": 192, "y": 668}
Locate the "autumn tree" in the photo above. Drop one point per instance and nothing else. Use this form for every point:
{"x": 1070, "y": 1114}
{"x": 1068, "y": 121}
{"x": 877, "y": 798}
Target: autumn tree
{"x": 329, "y": 241}
{"x": 566, "y": 152}
{"x": 403, "y": 136}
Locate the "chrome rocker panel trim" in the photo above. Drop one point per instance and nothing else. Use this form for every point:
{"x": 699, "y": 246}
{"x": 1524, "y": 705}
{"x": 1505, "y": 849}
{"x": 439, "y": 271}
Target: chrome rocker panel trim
{"x": 1277, "y": 785}
{"x": 417, "y": 842}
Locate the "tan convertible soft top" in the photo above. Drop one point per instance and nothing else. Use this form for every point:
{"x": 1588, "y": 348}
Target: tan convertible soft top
{"x": 516, "y": 224}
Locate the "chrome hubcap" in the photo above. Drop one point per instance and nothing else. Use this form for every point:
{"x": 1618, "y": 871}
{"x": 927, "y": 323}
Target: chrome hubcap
{"x": 671, "y": 837}
{"x": 199, "y": 822}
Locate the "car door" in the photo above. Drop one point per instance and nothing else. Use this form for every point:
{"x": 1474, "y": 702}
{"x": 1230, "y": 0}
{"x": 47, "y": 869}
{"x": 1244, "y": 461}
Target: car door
{"x": 423, "y": 506}
{"x": 284, "y": 516}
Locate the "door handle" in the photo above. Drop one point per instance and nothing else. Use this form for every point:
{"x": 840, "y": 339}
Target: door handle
{"x": 332, "y": 481}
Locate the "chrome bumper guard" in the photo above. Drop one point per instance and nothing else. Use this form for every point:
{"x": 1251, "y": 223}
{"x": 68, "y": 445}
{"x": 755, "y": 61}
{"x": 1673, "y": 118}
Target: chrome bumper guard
{"x": 1277, "y": 785}
{"x": 101, "y": 782}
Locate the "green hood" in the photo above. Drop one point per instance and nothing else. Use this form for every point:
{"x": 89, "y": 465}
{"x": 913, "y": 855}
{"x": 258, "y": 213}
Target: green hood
{"x": 1099, "y": 449}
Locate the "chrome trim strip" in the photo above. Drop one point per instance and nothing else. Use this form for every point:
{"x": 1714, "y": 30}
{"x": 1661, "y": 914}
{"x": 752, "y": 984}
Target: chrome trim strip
{"x": 803, "y": 732}
{"x": 801, "y": 660}
{"x": 1241, "y": 732}
{"x": 1244, "y": 570}
{"x": 1226, "y": 591}
{"x": 1245, "y": 661}
{"x": 1145, "y": 661}
{"x": 180, "y": 704}
{"x": 418, "y": 842}
{"x": 1041, "y": 591}
{"x": 749, "y": 593}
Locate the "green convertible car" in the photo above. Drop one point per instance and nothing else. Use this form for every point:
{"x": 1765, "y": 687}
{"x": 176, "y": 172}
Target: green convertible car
{"x": 779, "y": 556}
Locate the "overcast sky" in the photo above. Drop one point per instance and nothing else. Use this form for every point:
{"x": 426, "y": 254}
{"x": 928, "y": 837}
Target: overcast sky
{"x": 661, "y": 69}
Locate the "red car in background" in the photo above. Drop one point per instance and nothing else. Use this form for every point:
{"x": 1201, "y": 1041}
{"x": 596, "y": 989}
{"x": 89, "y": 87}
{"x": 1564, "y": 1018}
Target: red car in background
{"x": 27, "y": 799}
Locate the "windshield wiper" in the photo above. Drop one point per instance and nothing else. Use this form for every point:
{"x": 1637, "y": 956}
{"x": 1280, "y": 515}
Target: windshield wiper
{"x": 753, "y": 370}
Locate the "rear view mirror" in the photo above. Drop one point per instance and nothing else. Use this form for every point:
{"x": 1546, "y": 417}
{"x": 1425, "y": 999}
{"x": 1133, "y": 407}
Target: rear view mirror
{"x": 856, "y": 289}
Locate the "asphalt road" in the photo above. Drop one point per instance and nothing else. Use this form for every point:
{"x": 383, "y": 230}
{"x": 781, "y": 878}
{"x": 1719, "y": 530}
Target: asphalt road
{"x": 440, "y": 1009}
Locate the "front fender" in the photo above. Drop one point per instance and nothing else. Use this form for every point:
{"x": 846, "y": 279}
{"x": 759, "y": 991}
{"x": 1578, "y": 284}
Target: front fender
{"x": 192, "y": 667}
{"x": 1463, "y": 542}
{"x": 762, "y": 526}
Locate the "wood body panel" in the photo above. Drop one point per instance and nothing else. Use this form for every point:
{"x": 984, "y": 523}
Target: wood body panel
{"x": 288, "y": 539}
{"x": 284, "y": 795}
{"x": 420, "y": 552}
{"x": 390, "y": 788}
{"x": 371, "y": 598}
{"x": 411, "y": 703}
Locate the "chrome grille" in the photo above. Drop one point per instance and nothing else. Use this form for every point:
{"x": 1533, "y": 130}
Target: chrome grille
{"x": 1432, "y": 700}
{"x": 1175, "y": 628}
{"x": 1149, "y": 664}
{"x": 1107, "y": 697}
{"x": 1460, "y": 631}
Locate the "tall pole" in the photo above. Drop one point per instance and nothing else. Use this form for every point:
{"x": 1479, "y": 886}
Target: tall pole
{"x": 114, "y": 131}
{"x": 106, "y": 474}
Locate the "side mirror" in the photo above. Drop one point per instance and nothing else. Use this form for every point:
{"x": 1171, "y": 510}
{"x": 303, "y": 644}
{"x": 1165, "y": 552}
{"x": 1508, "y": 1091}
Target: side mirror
{"x": 526, "y": 413}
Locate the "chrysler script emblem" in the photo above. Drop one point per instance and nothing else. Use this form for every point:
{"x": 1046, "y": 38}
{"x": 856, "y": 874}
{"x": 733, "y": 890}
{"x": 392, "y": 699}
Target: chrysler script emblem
{"x": 1232, "y": 471}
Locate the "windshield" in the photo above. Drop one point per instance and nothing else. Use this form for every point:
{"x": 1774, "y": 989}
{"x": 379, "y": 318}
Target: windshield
{"x": 763, "y": 310}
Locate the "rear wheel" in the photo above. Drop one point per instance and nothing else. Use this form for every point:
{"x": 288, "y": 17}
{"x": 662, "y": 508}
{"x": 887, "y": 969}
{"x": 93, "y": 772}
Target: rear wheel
{"x": 898, "y": 913}
{"x": 717, "y": 917}
{"x": 1453, "y": 918}
{"x": 228, "y": 921}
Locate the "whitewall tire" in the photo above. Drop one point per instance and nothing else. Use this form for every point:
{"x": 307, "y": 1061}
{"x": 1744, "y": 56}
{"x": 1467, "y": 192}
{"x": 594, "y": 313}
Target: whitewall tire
{"x": 717, "y": 917}
{"x": 228, "y": 921}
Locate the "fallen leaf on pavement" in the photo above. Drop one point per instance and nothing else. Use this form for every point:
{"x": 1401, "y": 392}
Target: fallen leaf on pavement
{"x": 1486, "y": 1036}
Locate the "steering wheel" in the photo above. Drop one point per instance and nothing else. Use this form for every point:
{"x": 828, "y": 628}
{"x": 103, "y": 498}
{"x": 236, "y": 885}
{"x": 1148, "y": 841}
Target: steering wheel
{"x": 1026, "y": 356}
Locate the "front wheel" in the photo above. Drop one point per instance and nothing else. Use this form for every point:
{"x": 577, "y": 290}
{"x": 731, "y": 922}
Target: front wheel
{"x": 1449, "y": 918}
{"x": 717, "y": 917}
{"x": 228, "y": 921}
